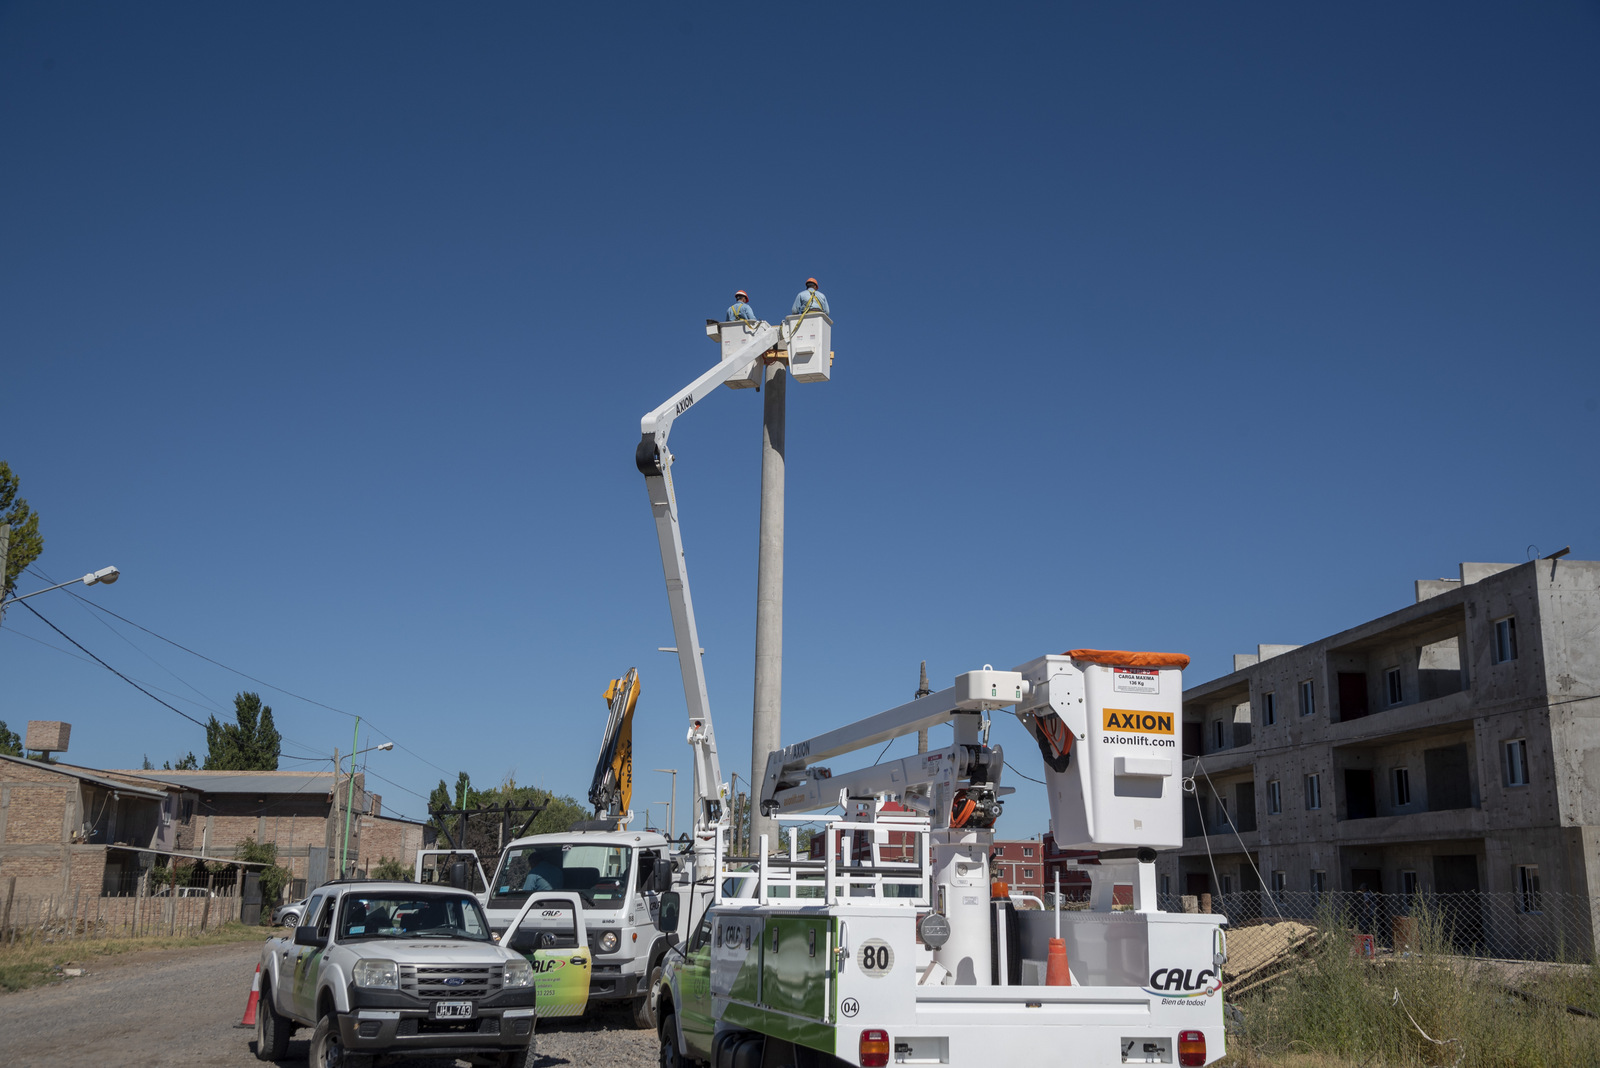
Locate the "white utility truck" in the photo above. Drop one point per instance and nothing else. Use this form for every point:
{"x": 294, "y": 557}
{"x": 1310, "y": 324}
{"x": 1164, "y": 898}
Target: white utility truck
{"x": 907, "y": 958}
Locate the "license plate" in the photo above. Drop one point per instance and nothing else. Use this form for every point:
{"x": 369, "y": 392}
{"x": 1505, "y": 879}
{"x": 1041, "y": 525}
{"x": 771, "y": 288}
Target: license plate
{"x": 452, "y": 1010}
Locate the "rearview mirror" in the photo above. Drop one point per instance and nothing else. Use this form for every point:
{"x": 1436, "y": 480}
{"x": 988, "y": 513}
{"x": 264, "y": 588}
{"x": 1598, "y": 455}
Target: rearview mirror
{"x": 458, "y": 875}
{"x": 308, "y": 936}
{"x": 661, "y": 878}
{"x": 667, "y": 917}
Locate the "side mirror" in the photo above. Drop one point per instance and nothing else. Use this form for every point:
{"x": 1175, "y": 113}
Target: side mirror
{"x": 458, "y": 875}
{"x": 667, "y": 917}
{"x": 308, "y": 936}
{"x": 661, "y": 877}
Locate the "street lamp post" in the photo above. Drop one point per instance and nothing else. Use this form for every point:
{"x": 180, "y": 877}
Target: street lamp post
{"x": 672, "y": 811}
{"x": 350, "y": 800}
{"x": 105, "y": 577}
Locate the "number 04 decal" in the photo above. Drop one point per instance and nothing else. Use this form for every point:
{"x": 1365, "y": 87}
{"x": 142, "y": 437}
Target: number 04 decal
{"x": 875, "y": 958}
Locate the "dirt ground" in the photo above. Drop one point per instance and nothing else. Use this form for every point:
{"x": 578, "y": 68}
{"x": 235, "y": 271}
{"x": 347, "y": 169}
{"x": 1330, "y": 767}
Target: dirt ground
{"x": 181, "y": 1007}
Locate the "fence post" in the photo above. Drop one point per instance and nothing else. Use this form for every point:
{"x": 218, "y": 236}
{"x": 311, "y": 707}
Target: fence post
{"x": 11, "y": 892}
{"x": 205, "y": 914}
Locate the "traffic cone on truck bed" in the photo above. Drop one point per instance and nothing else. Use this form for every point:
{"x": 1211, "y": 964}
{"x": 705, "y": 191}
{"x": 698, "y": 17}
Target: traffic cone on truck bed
{"x": 1055, "y": 968}
{"x": 255, "y": 996}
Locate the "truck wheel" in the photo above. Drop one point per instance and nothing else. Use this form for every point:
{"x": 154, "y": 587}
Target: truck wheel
{"x": 670, "y": 1057}
{"x": 643, "y": 1008}
{"x": 327, "y": 1048}
{"x": 272, "y": 1030}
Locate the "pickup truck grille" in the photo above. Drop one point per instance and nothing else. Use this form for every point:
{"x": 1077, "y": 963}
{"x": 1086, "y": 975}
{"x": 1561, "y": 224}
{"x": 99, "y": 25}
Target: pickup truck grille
{"x": 428, "y": 980}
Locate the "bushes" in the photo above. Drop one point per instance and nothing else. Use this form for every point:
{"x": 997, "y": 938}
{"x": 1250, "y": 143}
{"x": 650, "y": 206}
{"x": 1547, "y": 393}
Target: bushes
{"x": 391, "y": 870}
{"x": 273, "y": 877}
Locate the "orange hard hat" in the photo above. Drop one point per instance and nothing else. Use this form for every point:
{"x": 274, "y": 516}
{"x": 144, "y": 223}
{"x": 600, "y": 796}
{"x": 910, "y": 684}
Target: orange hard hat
{"x": 742, "y": 295}
{"x": 811, "y": 281}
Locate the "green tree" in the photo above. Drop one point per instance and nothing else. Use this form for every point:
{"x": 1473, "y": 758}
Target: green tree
{"x": 26, "y": 544}
{"x": 391, "y": 870}
{"x": 273, "y": 877}
{"x": 10, "y": 743}
{"x": 187, "y": 762}
{"x": 250, "y": 744}
{"x": 558, "y": 814}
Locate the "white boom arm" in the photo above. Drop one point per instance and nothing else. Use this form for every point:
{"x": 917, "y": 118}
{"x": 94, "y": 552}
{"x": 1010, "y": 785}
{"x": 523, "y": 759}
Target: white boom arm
{"x": 655, "y": 463}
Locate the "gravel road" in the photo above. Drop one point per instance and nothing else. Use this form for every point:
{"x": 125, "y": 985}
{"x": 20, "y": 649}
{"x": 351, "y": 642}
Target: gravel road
{"x": 180, "y": 1007}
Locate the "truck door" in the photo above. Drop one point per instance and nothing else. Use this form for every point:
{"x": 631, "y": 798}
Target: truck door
{"x": 308, "y": 959}
{"x": 562, "y": 963}
{"x": 695, "y": 989}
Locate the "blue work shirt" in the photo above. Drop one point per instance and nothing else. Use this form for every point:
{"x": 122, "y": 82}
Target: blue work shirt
{"x": 805, "y": 298}
{"x": 740, "y": 310}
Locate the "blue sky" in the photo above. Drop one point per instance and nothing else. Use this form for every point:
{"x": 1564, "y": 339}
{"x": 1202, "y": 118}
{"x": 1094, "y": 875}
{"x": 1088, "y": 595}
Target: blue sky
{"x": 1159, "y": 326}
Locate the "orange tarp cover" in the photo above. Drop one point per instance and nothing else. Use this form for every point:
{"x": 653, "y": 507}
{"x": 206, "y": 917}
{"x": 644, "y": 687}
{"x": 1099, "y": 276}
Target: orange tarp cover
{"x": 1123, "y": 658}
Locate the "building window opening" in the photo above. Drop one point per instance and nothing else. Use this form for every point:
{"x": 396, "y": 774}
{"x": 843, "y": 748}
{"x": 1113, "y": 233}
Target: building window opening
{"x": 1280, "y": 882}
{"x": 1391, "y": 682}
{"x": 1528, "y": 888}
{"x": 1505, "y": 639}
{"x": 1027, "y": 873}
{"x": 1313, "y": 792}
{"x": 1308, "y": 699}
{"x": 1319, "y": 881}
{"x": 1402, "y": 787}
{"x": 1216, "y": 735}
{"x": 1517, "y": 762}
{"x": 1269, "y": 709}
{"x": 1027, "y": 851}
{"x": 1274, "y": 797}
{"x": 1408, "y": 884}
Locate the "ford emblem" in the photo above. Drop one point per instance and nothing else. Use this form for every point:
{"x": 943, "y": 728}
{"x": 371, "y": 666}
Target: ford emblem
{"x": 454, "y": 980}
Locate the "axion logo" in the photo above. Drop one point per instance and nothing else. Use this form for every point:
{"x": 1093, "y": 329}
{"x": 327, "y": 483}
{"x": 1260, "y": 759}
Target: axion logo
{"x": 1192, "y": 983}
{"x": 1121, "y": 719}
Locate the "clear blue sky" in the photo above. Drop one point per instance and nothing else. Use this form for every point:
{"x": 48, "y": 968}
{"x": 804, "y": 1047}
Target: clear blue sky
{"x": 1179, "y": 327}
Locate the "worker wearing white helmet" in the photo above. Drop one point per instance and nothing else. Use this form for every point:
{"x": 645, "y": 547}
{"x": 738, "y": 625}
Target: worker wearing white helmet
{"x": 740, "y": 308}
{"x": 810, "y": 298}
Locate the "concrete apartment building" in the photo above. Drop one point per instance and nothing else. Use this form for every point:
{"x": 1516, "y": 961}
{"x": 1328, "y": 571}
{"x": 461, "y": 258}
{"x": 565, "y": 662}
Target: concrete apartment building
{"x": 1450, "y": 746}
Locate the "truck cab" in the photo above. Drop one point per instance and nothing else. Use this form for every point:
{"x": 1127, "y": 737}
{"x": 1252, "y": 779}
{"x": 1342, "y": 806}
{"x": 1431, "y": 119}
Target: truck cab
{"x": 620, "y": 877}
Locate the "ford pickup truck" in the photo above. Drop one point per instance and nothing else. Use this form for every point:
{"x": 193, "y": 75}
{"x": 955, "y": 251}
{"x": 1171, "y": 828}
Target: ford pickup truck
{"x": 386, "y": 969}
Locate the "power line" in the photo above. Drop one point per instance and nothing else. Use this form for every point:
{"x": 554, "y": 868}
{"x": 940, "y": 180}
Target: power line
{"x": 375, "y": 729}
{"x": 111, "y": 669}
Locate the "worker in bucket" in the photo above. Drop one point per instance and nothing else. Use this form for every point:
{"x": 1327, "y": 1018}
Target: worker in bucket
{"x": 740, "y": 308}
{"x": 810, "y": 299}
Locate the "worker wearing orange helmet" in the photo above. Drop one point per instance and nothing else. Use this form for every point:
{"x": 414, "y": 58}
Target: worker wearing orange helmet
{"x": 810, "y": 298}
{"x": 740, "y": 308}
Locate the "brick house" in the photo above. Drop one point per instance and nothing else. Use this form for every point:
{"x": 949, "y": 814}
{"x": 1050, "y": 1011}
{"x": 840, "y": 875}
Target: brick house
{"x": 301, "y": 812}
{"x": 63, "y": 826}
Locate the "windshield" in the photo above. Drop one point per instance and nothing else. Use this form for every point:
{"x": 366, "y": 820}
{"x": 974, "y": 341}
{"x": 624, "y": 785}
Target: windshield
{"x": 399, "y": 915}
{"x": 598, "y": 872}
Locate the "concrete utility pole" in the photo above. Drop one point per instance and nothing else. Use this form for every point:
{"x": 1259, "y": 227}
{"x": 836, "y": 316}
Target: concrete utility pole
{"x": 923, "y": 691}
{"x": 766, "y": 720}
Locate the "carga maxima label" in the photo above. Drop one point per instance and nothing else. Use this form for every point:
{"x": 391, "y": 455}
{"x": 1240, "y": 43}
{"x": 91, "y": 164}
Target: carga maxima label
{"x": 1136, "y": 680}
{"x": 1124, "y": 726}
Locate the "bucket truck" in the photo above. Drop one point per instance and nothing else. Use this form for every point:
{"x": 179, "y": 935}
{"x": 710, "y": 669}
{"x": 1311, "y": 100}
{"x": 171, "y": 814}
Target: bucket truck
{"x": 903, "y": 953}
{"x": 621, "y": 875}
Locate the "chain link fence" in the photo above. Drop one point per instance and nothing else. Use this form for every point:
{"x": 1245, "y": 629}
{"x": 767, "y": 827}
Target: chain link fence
{"x": 1536, "y": 926}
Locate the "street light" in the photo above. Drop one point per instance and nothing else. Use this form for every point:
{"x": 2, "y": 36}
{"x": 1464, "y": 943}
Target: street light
{"x": 105, "y": 576}
{"x": 672, "y": 813}
{"x": 350, "y": 798}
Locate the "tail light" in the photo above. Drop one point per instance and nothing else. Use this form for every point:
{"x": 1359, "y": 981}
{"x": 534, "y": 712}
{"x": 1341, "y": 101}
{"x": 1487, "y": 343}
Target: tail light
{"x": 875, "y": 1048}
{"x": 1191, "y": 1048}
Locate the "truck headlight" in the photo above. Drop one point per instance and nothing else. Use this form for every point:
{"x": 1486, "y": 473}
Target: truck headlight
{"x": 519, "y": 973}
{"x": 376, "y": 973}
{"x": 609, "y": 942}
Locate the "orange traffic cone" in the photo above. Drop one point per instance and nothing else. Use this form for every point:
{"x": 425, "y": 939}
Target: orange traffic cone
{"x": 255, "y": 996}
{"x": 1055, "y": 968}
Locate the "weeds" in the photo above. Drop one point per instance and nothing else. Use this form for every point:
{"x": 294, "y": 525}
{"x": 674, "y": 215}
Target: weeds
{"x": 1421, "y": 1007}
{"x": 22, "y": 966}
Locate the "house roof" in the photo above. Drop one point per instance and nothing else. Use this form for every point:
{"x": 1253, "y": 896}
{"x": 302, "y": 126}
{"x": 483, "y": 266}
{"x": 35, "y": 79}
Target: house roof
{"x": 89, "y": 776}
{"x": 246, "y": 782}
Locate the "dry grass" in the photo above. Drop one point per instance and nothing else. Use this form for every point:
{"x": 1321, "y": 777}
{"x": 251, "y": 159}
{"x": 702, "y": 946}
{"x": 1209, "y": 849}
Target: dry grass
{"x": 1425, "y": 1009}
{"x": 22, "y": 966}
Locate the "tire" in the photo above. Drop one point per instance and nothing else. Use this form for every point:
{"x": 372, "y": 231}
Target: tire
{"x": 670, "y": 1057}
{"x": 272, "y": 1030}
{"x": 642, "y": 1010}
{"x": 291, "y": 919}
{"x": 327, "y": 1048}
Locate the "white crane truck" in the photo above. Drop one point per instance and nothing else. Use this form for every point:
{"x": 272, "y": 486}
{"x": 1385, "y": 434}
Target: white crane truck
{"x": 900, "y": 955}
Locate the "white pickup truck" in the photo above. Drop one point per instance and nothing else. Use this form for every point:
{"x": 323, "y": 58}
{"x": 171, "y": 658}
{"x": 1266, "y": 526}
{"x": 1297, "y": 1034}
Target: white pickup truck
{"x": 387, "y": 969}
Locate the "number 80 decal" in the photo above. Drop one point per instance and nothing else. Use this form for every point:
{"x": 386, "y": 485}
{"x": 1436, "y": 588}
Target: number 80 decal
{"x": 875, "y": 958}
